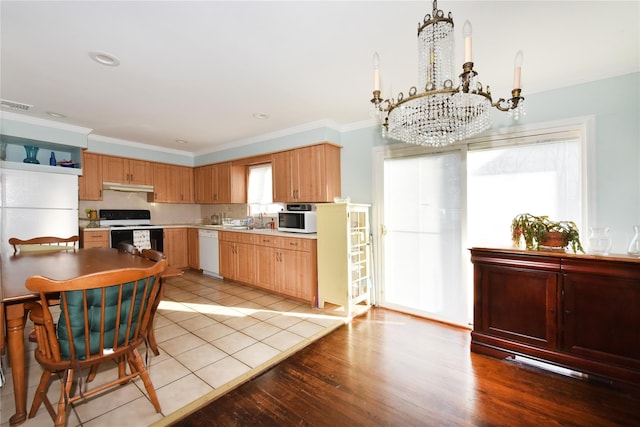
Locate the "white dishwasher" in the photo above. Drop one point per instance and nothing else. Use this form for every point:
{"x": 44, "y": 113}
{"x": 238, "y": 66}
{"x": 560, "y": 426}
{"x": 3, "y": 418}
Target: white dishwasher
{"x": 209, "y": 262}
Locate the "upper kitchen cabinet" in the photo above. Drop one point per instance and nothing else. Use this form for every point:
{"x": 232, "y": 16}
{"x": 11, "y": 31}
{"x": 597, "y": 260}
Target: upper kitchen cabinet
{"x": 90, "y": 182}
{"x": 126, "y": 171}
{"x": 307, "y": 174}
{"x": 171, "y": 184}
{"x": 220, "y": 183}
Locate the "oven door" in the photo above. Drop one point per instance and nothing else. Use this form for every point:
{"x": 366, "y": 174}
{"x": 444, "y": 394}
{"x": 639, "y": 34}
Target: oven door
{"x": 126, "y": 235}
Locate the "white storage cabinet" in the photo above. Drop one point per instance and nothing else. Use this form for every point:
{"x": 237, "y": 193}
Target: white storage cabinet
{"x": 344, "y": 271}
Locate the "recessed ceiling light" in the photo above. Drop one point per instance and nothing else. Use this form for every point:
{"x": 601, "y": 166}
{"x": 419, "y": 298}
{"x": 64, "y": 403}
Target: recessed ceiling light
{"x": 261, "y": 116}
{"x": 104, "y": 58}
{"x": 56, "y": 115}
{"x": 181, "y": 141}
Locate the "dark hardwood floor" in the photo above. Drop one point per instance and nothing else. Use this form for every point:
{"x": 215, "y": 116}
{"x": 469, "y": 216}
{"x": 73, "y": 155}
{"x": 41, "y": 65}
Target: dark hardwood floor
{"x": 392, "y": 369}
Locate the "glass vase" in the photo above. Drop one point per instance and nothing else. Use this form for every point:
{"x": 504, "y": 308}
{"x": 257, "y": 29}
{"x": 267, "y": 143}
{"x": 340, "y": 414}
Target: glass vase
{"x": 600, "y": 240}
{"x": 634, "y": 245}
{"x": 32, "y": 154}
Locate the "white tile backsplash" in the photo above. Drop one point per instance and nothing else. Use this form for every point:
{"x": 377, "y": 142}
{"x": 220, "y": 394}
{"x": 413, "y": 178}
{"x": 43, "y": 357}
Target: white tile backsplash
{"x": 163, "y": 213}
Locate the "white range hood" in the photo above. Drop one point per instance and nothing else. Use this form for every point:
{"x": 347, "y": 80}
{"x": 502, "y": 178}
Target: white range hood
{"x": 136, "y": 188}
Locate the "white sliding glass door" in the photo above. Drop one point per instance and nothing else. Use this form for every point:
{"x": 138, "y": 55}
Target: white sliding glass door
{"x": 433, "y": 206}
{"x": 422, "y": 238}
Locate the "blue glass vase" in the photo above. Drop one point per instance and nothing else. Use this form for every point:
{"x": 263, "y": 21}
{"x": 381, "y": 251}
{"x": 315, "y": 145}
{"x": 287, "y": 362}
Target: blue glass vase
{"x": 32, "y": 153}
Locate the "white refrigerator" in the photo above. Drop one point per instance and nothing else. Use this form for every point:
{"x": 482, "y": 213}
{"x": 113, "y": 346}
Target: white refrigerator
{"x": 36, "y": 204}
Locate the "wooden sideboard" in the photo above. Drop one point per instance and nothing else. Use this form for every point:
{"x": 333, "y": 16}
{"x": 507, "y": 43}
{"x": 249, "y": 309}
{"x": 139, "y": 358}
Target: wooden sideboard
{"x": 580, "y": 312}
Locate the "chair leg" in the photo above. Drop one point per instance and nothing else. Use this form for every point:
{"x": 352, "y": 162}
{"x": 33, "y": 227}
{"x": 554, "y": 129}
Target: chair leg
{"x": 92, "y": 373}
{"x": 61, "y": 419}
{"x": 138, "y": 365}
{"x": 151, "y": 336}
{"x": 40, "y": 396}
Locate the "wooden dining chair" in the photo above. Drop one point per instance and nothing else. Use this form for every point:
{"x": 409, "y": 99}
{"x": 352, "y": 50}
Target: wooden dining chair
{"x": 103, "y": 316}
{"x": 151, "y": 255}
{"x": 43, "y": 243}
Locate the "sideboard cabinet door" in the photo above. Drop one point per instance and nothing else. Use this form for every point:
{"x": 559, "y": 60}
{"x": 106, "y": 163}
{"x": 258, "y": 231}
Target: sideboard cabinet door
{"x": 602, "y": 322}
{"x": 518, "y": 304}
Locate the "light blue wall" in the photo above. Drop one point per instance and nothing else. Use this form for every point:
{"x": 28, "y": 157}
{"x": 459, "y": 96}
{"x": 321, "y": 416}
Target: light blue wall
{"x": 309, "y": 137}
{"x": 38, "y": 131}
{"x": 613, "y": 102}
{"x": 615, "y": 105}
{"x": 113, "y": 147}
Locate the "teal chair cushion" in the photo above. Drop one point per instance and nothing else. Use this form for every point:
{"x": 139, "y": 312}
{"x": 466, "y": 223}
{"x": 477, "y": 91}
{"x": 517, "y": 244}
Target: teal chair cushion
{"x": 94, "y": 305}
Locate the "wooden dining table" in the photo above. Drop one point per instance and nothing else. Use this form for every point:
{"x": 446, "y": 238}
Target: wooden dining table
{"x": 59, "y": 265}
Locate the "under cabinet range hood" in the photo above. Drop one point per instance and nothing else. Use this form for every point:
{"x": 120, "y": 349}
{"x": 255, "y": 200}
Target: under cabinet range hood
{"x": 136, "y": 188}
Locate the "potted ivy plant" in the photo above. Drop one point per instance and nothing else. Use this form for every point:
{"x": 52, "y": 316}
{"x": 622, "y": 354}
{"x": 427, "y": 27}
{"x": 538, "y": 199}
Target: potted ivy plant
{"x": 540, "y": 231}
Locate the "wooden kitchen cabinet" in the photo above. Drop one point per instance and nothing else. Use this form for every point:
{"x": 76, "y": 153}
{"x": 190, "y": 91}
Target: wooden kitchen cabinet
{"x": 287, "y": 265}
{"x": 203, "y": 184}
{"x": 307, "y": 174}
{"x": 94, "y": 238}
{"x": 127, "y": 171}
{"x": 266, "y": 259}
{"x": 576, "y": 311}
{"x": 220, "y": 183}
{"x": 296, "y": 269}
{"x": 237, "y": 256}
{"x": 193, "y": 242}
{"x": 176, "y": 247}
{"x": 90, "y": 182}
{"x": 171, "y": 184}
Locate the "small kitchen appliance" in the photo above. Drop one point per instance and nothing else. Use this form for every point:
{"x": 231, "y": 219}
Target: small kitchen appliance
{"x": 298, "y": 218}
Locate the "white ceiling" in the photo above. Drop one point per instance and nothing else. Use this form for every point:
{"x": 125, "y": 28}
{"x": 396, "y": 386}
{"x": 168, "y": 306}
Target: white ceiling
{"x": 198, "y": 71}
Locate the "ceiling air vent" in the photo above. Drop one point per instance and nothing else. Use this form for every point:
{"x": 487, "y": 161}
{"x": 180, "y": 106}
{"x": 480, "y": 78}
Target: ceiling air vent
{"x": 15, "y": 105}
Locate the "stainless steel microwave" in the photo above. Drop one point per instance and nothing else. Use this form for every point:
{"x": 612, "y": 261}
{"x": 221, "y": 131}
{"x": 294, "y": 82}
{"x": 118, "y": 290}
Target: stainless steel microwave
{"x": 298, "y": 221}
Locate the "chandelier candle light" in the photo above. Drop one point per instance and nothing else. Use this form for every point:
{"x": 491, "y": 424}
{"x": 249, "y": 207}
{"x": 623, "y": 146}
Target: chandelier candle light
{"x": 442, "y": 114}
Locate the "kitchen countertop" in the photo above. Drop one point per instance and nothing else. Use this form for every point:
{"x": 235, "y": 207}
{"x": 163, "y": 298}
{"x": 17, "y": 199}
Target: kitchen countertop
{"x": 222, "y": 228}
{"x": 259, "y": 231}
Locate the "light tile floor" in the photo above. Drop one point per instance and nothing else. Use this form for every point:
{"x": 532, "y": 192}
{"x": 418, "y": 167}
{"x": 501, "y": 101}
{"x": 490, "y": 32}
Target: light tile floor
{"x": 212, "y": 336}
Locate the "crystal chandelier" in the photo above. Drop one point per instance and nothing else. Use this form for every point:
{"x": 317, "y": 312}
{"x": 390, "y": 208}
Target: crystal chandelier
{"x": 445, "y": 111}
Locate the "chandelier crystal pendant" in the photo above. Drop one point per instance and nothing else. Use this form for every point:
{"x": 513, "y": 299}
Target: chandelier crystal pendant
{"x": 450, "y": 108}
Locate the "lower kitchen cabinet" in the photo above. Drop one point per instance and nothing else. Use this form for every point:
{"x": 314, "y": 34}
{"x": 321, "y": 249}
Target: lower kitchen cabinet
{"x": 296, "y": 273}
{"x": 176, "y": 247}
{"x": 266, "y": 260}
{"x": 286, "y": 265}
{"x": 237, "y": 256}
{"x": 94, "y": 238}
{"x": 193, "y": 242}
{"x": 576, "y": 311}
